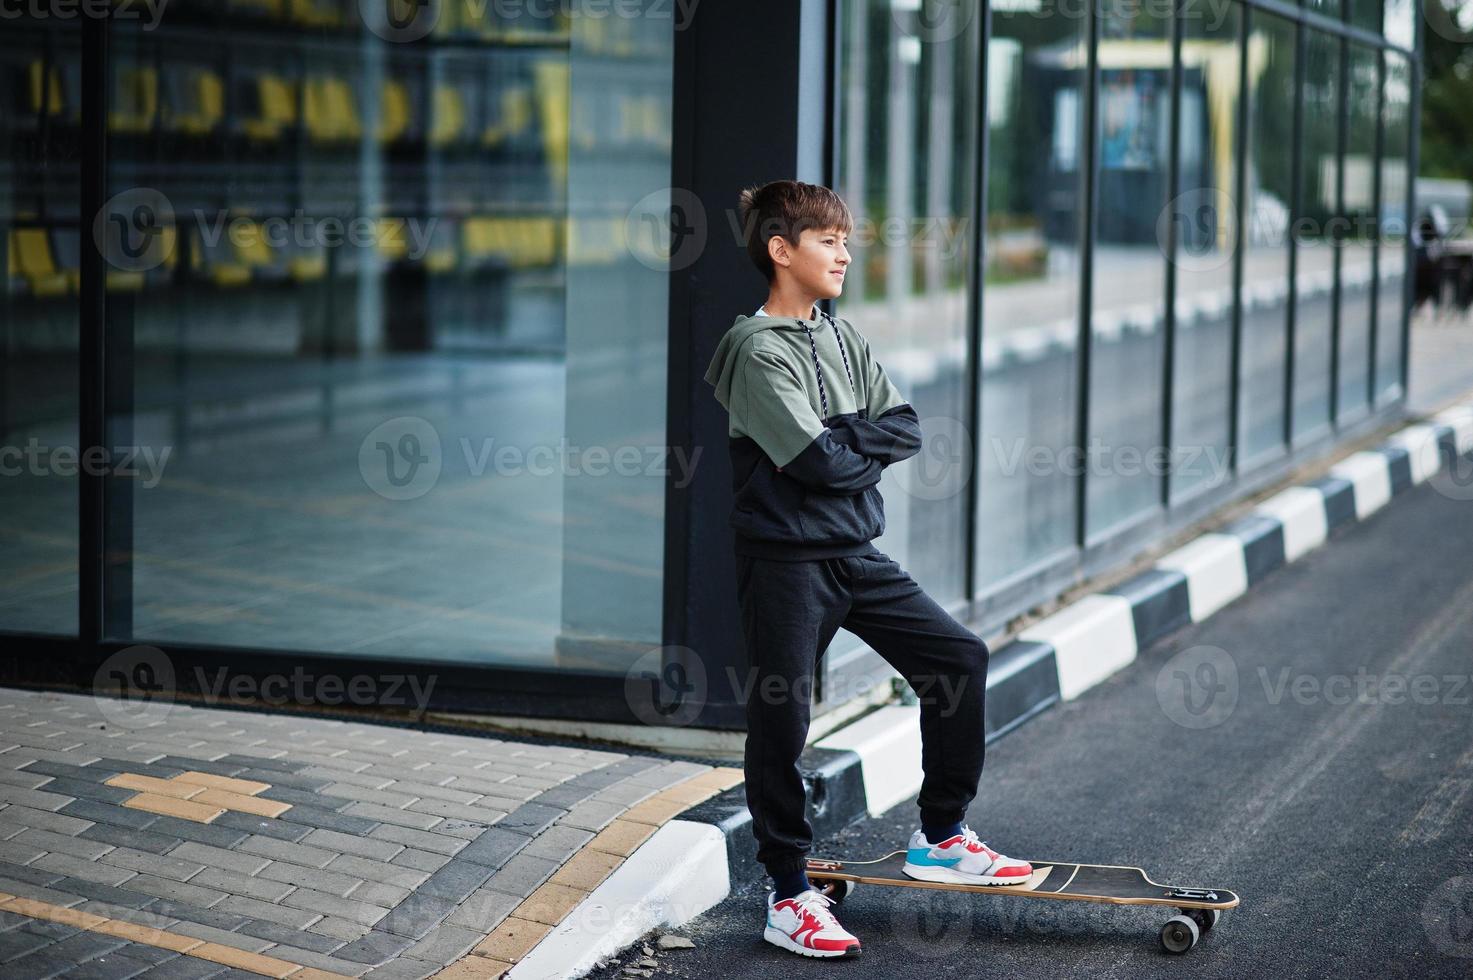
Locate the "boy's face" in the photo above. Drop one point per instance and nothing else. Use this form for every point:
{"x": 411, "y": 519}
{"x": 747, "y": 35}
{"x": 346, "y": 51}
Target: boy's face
{"x": 817, "y": 264}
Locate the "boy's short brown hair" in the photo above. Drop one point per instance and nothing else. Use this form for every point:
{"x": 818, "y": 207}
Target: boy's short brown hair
{"x": 787, "y": 208}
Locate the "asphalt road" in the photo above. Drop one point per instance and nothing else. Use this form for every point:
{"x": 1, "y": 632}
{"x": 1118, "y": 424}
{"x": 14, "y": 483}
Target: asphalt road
{"x": 1323, "y": 770}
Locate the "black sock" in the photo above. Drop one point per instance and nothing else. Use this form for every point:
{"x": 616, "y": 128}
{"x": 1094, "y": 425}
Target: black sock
{"x": 936, "y": 833}
{"x": 788, "y": 885}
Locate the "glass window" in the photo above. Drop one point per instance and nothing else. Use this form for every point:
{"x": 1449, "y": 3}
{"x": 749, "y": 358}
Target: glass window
{"x": 908, "y": 102}
{"x": 1356, "y": 244}
{"x": 1400, "y": 22}
{"x": 1314, "y": 276}
{"x": 1129, "y": 270}
{"x": 1268, "y": 195}
{"x": 409, "y": 365}
{"x": 1366, "y": 14}
{"x": 40, "y": 157}
{"x": 1036, "y": 81}
{"x": 1392, "y": 240}
{"x": 1205, "y": 241}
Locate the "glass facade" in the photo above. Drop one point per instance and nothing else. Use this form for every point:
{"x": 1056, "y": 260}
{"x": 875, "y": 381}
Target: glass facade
{"x": 1317, "y": 205}
{"x": 1358, "y": 206}
{"x": 376, "y": 295}
{"x": 1132, "y": 142}
{"x": 907, "y": 141}
{"x": 40, "y": 165}
{"x": 1268, "y": 182}
{"x": 1392, "y": 243}
{"x": 1205, "y": 243}
{"x": 385, "y": 303}
{"x": 1037, "y": 80}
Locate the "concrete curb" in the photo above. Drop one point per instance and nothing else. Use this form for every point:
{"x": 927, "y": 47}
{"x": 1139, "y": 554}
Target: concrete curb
{"x": 868, "y": 766}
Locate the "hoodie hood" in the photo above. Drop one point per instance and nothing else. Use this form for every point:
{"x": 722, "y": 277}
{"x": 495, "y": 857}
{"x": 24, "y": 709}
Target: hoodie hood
{"x": 724, "y": 362}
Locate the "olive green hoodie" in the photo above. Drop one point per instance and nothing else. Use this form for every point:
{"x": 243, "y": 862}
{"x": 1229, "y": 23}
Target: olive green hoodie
{"x": 814, "y": 420}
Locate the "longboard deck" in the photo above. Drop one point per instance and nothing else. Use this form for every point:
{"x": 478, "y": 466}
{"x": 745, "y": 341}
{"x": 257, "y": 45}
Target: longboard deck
{"x": 1111, "y": 884}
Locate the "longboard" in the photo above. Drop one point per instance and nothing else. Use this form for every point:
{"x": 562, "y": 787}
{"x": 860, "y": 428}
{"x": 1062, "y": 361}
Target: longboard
{"x": 1064, "y": 880}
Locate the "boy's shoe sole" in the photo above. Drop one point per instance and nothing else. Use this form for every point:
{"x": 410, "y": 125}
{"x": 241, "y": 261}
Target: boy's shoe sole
{"x": 952, "y": 877}
{"x": 779, "y": 938}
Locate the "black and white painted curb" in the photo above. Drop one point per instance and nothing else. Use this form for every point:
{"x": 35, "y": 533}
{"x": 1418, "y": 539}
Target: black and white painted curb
{"x": 873, "y": 764}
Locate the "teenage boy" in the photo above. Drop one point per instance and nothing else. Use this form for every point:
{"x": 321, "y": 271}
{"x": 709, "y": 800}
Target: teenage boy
{"x": 813, "y": 422}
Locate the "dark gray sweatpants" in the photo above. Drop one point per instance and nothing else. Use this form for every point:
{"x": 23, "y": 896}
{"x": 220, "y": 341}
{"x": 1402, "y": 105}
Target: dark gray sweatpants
{"x": 790, "y": 612}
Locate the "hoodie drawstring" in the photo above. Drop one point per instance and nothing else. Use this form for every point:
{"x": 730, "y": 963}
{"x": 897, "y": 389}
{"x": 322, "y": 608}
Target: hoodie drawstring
{"x": 822, "y": 395}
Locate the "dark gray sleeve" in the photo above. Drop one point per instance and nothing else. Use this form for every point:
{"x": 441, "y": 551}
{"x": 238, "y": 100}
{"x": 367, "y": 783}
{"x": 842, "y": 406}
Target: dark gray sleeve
{"x": 894, "y": 436}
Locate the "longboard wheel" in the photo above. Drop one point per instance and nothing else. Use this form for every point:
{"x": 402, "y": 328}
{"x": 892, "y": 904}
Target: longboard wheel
{"x": 837, "y": 890}
{"x": 1205, "y": 918}
{"x": 1179, "y": 934}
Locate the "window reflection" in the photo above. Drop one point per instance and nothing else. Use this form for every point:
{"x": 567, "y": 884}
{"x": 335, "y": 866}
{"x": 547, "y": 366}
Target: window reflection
{"x": 1314, "y": 275}
{"x": 1206, "y": 240}
{"x": 1359, "y": 206}
{"x": 1129, "y": 267}
{"x": 40, "y": 164}
{"x": 1030, "y": 295}
{"x": 409, "y": 366}
{"x": 1392, "y": 242}
{"x": 1268, "y": 193}
{"x": 906, "y": 134}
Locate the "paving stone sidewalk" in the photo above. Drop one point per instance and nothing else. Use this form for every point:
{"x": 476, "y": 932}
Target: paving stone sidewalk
{"x": 249, "y": 844}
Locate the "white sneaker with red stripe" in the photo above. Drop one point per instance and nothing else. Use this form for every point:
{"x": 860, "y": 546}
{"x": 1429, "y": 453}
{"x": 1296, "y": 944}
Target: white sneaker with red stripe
{"x": 962, "y": 859}
{"x": 803, "y": 924}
